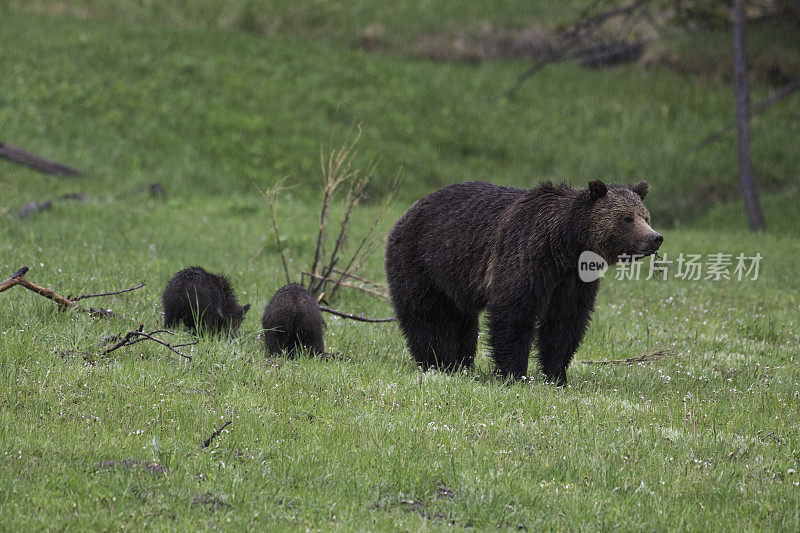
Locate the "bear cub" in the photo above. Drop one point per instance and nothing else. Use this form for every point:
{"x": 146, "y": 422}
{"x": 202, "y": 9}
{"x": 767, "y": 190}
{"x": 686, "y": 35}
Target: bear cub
{"x": 292, "y": 321}
{"x": 202, "y": 301}
{"x": 514, "y": 252}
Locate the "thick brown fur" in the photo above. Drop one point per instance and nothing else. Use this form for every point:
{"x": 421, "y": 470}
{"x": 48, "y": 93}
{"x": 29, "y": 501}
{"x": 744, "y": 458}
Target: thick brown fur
{"x": 514, "y": 252}
{"x": 202, "y": 301}
{"x": 292, "y": 321}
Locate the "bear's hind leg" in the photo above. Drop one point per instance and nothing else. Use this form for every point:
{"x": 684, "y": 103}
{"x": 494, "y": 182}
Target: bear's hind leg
{"x": 511, "y": 338}
{"x": 438, "y": 334}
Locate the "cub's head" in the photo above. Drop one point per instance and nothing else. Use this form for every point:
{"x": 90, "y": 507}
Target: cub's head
{"x": 237, "y": 316}
{"x": 619, "y": 223}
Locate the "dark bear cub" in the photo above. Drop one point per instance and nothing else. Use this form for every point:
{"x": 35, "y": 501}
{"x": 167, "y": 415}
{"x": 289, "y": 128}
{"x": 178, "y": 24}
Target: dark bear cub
{"x": 202, "y": 301}
{"x": 292, "y": 320}
{"x": 514, "y": 252}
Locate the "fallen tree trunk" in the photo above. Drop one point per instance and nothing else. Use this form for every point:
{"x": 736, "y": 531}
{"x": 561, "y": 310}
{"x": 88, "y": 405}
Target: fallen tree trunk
{"x": 18, "y": 155}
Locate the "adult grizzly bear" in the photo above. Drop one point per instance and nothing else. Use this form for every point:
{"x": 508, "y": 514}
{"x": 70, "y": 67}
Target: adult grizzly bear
{"x": 202, "y": 300}
{"x": 514, "y": 252}
{"x": 292, "y": 321}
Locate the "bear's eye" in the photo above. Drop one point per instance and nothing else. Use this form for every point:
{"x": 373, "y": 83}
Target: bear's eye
{"x": 647, "y": 219}
{"x": 628, "y": 219}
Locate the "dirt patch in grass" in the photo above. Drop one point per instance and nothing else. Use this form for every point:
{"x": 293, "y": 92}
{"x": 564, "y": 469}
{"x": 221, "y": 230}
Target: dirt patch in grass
{"x": 131, "y": 464}
{"x": 210, "y": 500}
{"x": 420, "y": 508}
{"x": 444, "y": 493}
{"x": 466, "y": 45}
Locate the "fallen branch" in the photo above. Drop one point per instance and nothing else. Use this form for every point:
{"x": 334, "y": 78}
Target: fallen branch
{"x": 583, "y": 29}
{"x": 207, "y": 442}
{"x": 18, "y": 278}
{"x": 10, "y": 282}
{"x": 133, "y": 337}
{"x": 757, "y": 109}
{"x": 655, "y": 355}
{"x": 611, "y": 54}
{"x": 354, "y": 317}
{"x": 18, "y": 155}
{"x": 82, "y": 296}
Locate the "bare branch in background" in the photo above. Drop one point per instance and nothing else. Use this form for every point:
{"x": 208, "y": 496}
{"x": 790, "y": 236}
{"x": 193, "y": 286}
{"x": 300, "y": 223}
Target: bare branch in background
{"x": 372, "y": 292}
{"x": 335, "y": 171}
{"x": 368, "y": 244}
{"x": 757, "y": 109}
{"x": 271, "y": 195}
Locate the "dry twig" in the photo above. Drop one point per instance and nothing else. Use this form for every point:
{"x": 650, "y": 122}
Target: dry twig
{"x": 354, "y": 317}
{"x": 335, "y": 171}
{"x": 207, "y": 442}
{"x": 82, "y": 296}
{"x": 132, "y": 337}
{"x": 368, "y": 245}
{"x": 655, "y": 355}
{"x": 271, "y": 195}
{"x": 379, "y": 293}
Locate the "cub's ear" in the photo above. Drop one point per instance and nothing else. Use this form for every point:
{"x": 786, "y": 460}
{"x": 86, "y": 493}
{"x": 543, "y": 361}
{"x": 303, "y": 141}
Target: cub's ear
{"x": 245, "y": 309}
{"x": 597, "y": 189}
{"x": 641, "y": 189}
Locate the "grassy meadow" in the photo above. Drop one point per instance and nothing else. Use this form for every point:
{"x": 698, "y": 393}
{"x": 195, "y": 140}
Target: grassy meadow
{"x": 705, "y": 437}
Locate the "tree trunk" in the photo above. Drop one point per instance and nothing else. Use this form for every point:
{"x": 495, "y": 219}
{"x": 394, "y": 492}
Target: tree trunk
{"x": 742, "y": 92}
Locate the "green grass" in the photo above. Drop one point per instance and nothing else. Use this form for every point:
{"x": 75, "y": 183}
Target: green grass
{"x": 214, "y": 112}
{"x": 704, "y": 438}
{"x": 707, "y": 438}
{"x": 341, "y": 22}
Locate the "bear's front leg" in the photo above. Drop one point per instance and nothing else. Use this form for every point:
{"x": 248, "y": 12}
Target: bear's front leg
{"x": 512, "y": 326}
{"x": 563, "y": 326}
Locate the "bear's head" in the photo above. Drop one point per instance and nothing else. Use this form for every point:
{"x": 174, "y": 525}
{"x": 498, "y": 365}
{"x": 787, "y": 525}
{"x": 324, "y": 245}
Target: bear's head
{"x": 237, "y": 315}
{"x": 619, "y": 223}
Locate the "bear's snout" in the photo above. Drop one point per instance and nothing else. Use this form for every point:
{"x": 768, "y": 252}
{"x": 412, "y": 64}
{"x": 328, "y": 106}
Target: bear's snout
{"x": 654, "y": 241}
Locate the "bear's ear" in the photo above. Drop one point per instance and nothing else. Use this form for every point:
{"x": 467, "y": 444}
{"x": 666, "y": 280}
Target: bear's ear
{"x": 245, "y": 309}
{"x": 597, "y": 189}
{"x": 641, "y": 189}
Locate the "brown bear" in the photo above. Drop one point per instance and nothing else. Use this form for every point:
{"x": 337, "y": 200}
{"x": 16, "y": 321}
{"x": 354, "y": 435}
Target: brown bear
{"x": 202, "y": 301}
{"x": 292, "y": 320}
{"x": 515, "y": 253}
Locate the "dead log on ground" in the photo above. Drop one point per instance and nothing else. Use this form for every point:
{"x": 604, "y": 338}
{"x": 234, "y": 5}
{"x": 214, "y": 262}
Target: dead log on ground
{"x": 18, "y": 155}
